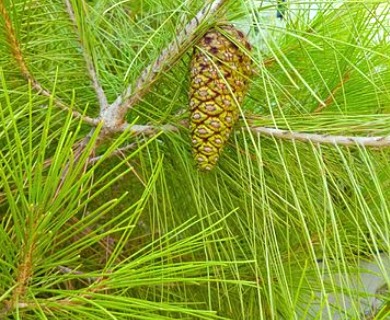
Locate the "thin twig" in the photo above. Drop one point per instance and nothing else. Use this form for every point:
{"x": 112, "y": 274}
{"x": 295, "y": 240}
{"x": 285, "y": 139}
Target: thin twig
{"x": 145, "y": 130}
{"x": 117, "y": 152}
{"x": 78, "y": 149}
{"x": 115, "y": 113}
{"x": 378, "y": 142}
{"x": 331, "y": 96}
{"x": 18, "y": 56}
{"x": 67, "y": 270}
{"x": 87, "y": 58}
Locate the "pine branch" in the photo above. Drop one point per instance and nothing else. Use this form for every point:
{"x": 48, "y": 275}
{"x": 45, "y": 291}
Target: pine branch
{"x": 20, "y": 61}
{"x": 378, "y": 142}
{"x": 113, "y": 115}
{"x": 87, "y": 58}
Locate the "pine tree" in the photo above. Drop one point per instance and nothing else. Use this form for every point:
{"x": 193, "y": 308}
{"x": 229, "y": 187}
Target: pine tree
{"x": 104, "y": 212}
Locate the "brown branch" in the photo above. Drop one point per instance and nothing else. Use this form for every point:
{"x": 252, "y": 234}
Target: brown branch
{"x": 331, "y": 96}
{"x": 18, "y": 56}
{"x": 25, "y": 268}
{"x": 13, "y": 42}
{"x": 114, "y": 115}
{"x": 87, "y": 58}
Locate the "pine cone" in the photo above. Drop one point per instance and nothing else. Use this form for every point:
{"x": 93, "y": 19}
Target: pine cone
{"x": 220, "y": 68}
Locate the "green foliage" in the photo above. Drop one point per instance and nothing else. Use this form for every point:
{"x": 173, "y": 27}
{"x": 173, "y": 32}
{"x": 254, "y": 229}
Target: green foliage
{"x": 142, "y": 234}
